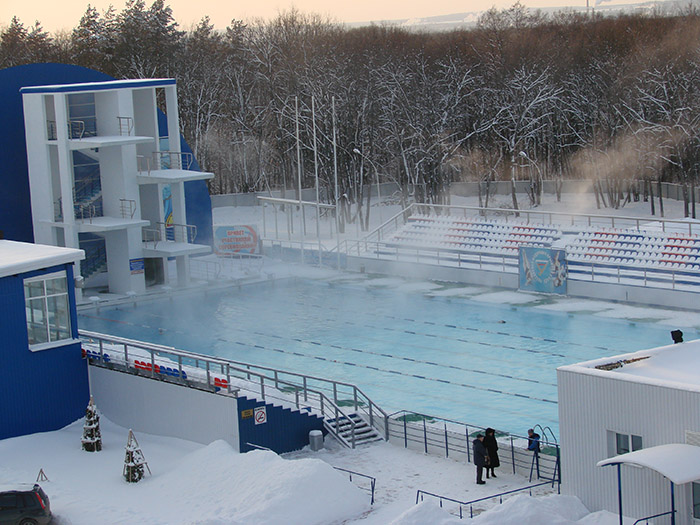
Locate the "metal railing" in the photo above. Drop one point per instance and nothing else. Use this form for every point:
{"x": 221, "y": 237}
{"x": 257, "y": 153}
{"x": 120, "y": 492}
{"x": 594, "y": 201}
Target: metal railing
{"x": 86, "y": 211}
{"x": 126, "y": 125}
{"x": 445, "y": 437}
{"x": 164, "y": 160}
{"x": 127, "y": 207}
{"x": 372, "y": 481}
{"x": 51, "y": 130}
{"x": 671, "y": 512}
{"x": 205, "y": 269}
{"x": 344, "y": 394}
{"x": 420, "y": 494}
{"x": 204, "y": 372}
{"x": 178, "y": 232}
{"x": 151, "y": 236}
{"x": 76, "y": 129}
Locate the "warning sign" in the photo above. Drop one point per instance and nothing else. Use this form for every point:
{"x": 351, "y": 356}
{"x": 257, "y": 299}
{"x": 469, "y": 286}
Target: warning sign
{"x": 245, "y": 414}
{"x": 260, "y": 415}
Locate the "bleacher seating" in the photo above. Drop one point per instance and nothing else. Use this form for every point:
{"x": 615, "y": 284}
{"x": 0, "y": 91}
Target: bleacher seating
{"x": 637, "y": 255}
{"x": 640, "y": 249}
{"x": 461, "y": 240}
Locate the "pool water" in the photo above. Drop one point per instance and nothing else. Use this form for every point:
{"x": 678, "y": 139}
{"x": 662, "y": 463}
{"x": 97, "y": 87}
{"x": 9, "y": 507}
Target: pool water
{"x": 455, "y": 358}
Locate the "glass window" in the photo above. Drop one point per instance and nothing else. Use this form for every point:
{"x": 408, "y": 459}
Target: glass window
{"x": 8, "y": 501}
{"x": 636, "y": 442}
{"x": 47, "y": 308}
{"x": 622, "y": 443}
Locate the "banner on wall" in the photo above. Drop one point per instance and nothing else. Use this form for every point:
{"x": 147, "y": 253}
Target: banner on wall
{"x": 543, "y": 270}
{"x": 236, "y": 240}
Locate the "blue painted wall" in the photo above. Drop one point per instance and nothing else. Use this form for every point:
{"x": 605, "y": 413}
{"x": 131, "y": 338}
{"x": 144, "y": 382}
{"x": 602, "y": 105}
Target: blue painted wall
{"x": 15, "y": 204}
{"x": 285, "y": 430}
{"x": 39, "y": 391}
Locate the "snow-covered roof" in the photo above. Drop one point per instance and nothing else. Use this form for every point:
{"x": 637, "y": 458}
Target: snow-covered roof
{"x": 673, "y": 366}
{"x": 21, "y": 257}
{"x": 99, "y": 86}
{"x": 678, "y": 462}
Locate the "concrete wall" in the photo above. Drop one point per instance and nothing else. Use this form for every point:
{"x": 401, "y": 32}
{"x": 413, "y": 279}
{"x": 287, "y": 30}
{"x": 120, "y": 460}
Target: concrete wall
{"x": 434, "y": 272}
{"x": 462, "y": 189}
{"x": 167, "y": 409}
{"x": 616, "y": 405}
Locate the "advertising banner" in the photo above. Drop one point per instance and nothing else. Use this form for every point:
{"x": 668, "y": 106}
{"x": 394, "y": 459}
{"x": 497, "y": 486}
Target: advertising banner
{"x": 543, "y": 270}
{"x": 236, "y": 240}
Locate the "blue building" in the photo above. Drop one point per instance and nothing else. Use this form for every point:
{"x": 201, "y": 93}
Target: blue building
{"x": 43, "y": 379}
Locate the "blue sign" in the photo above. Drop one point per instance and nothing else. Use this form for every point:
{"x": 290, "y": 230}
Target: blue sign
{"x": 543, "y": 270}
{"x": 136, "y": 266}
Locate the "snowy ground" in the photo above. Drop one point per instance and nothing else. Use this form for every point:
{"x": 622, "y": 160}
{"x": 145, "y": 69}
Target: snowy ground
{"x": 212, "y": 485}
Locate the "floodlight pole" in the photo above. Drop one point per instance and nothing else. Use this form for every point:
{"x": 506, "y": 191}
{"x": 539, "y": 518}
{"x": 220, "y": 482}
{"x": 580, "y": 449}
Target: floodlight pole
{"x": 301, "y": 206}
{"x": 335, "y": 176}
{"x": 318, "y": 209}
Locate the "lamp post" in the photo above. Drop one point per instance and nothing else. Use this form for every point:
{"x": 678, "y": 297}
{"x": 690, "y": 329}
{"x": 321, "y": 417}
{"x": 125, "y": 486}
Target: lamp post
{"x": 376, "y": 172}
{"x": 535, "y": 194}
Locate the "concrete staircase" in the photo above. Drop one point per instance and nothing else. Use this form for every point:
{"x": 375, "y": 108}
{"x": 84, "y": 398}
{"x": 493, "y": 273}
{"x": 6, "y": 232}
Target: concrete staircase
{"x": 342, "y": 430}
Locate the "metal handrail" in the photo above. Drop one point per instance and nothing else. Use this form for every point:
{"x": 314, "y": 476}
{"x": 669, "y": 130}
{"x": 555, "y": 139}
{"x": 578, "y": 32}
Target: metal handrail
{"x": 74, "y": 125}
{"x": 127, "y": 207}
{"x": 90, "y": 209}
{"x": 373, "y": 481}
{"x": 151, "y": 235}
{"x": 360, "y": 399}
{"x": 126, "y": 125}
{"x": 421, "y": 493}
{"x": 181, "y": 232}
{"x": 324, "y": 402}
{"x": 654, "y": 516}
{"x": 164, "y": 160}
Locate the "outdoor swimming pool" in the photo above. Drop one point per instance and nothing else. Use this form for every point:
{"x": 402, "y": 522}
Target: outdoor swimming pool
{"x": 478, "y": 363}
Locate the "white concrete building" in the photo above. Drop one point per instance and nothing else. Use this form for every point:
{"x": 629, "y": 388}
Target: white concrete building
{"x": 615, "y": 406}
{"x": 103, "y": 179}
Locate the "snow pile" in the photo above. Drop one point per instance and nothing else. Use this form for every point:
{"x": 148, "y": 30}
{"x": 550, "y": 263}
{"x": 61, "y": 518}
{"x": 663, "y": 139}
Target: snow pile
{"x": 526, "y": 510}
{"x": 257, "y": 487}
{"x": 426, "y": 512}
{"x": 190, "y": 484}
{"x": 518, "y": 510}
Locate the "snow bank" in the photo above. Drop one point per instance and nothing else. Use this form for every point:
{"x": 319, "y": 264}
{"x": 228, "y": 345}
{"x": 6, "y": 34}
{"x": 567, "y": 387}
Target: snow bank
{"x": 526, "y": 510}
{"x": 426, "y": 512}
{"x": 223, "y": 486}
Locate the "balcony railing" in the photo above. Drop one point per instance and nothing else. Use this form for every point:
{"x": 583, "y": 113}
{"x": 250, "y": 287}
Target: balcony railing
{"x": 164, "y": 160}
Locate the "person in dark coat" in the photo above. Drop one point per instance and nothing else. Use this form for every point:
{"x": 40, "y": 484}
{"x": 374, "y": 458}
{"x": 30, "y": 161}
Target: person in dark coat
{"x": 480, "y": 457}
{"x": 492, "y": 448}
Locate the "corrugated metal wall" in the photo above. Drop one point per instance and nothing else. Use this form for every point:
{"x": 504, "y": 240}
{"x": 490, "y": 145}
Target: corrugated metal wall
{"x": 284, "y": 431}
{"x": 589, "y": 407}
{"x": 39, "y": 391}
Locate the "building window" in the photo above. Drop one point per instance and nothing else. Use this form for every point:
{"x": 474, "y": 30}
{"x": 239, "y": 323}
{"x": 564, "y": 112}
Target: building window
{"x": 625, "y": 443}
{"x": 47, "y": 309}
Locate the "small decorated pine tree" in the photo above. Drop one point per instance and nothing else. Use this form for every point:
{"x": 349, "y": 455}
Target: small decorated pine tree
{"x": 92, "y": 439}
{"x": 134, "y": 462}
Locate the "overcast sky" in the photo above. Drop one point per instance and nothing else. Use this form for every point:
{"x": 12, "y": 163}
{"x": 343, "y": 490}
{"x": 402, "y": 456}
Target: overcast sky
{"x": 65, "y": 14}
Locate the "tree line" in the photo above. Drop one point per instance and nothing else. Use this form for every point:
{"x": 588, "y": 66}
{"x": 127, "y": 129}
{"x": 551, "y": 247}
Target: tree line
{"x": 521, "y": 96}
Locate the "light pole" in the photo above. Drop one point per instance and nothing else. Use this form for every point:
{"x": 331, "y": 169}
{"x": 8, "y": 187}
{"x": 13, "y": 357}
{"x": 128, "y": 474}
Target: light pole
{"x": 535, "y": 191}
{"x": 376, "y": 171}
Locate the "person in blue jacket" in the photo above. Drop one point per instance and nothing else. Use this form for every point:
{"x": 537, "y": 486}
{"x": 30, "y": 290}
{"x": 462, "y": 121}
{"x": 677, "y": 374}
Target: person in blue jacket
{"x": 480, "y": 457}
{"x": 533, "y": 441}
